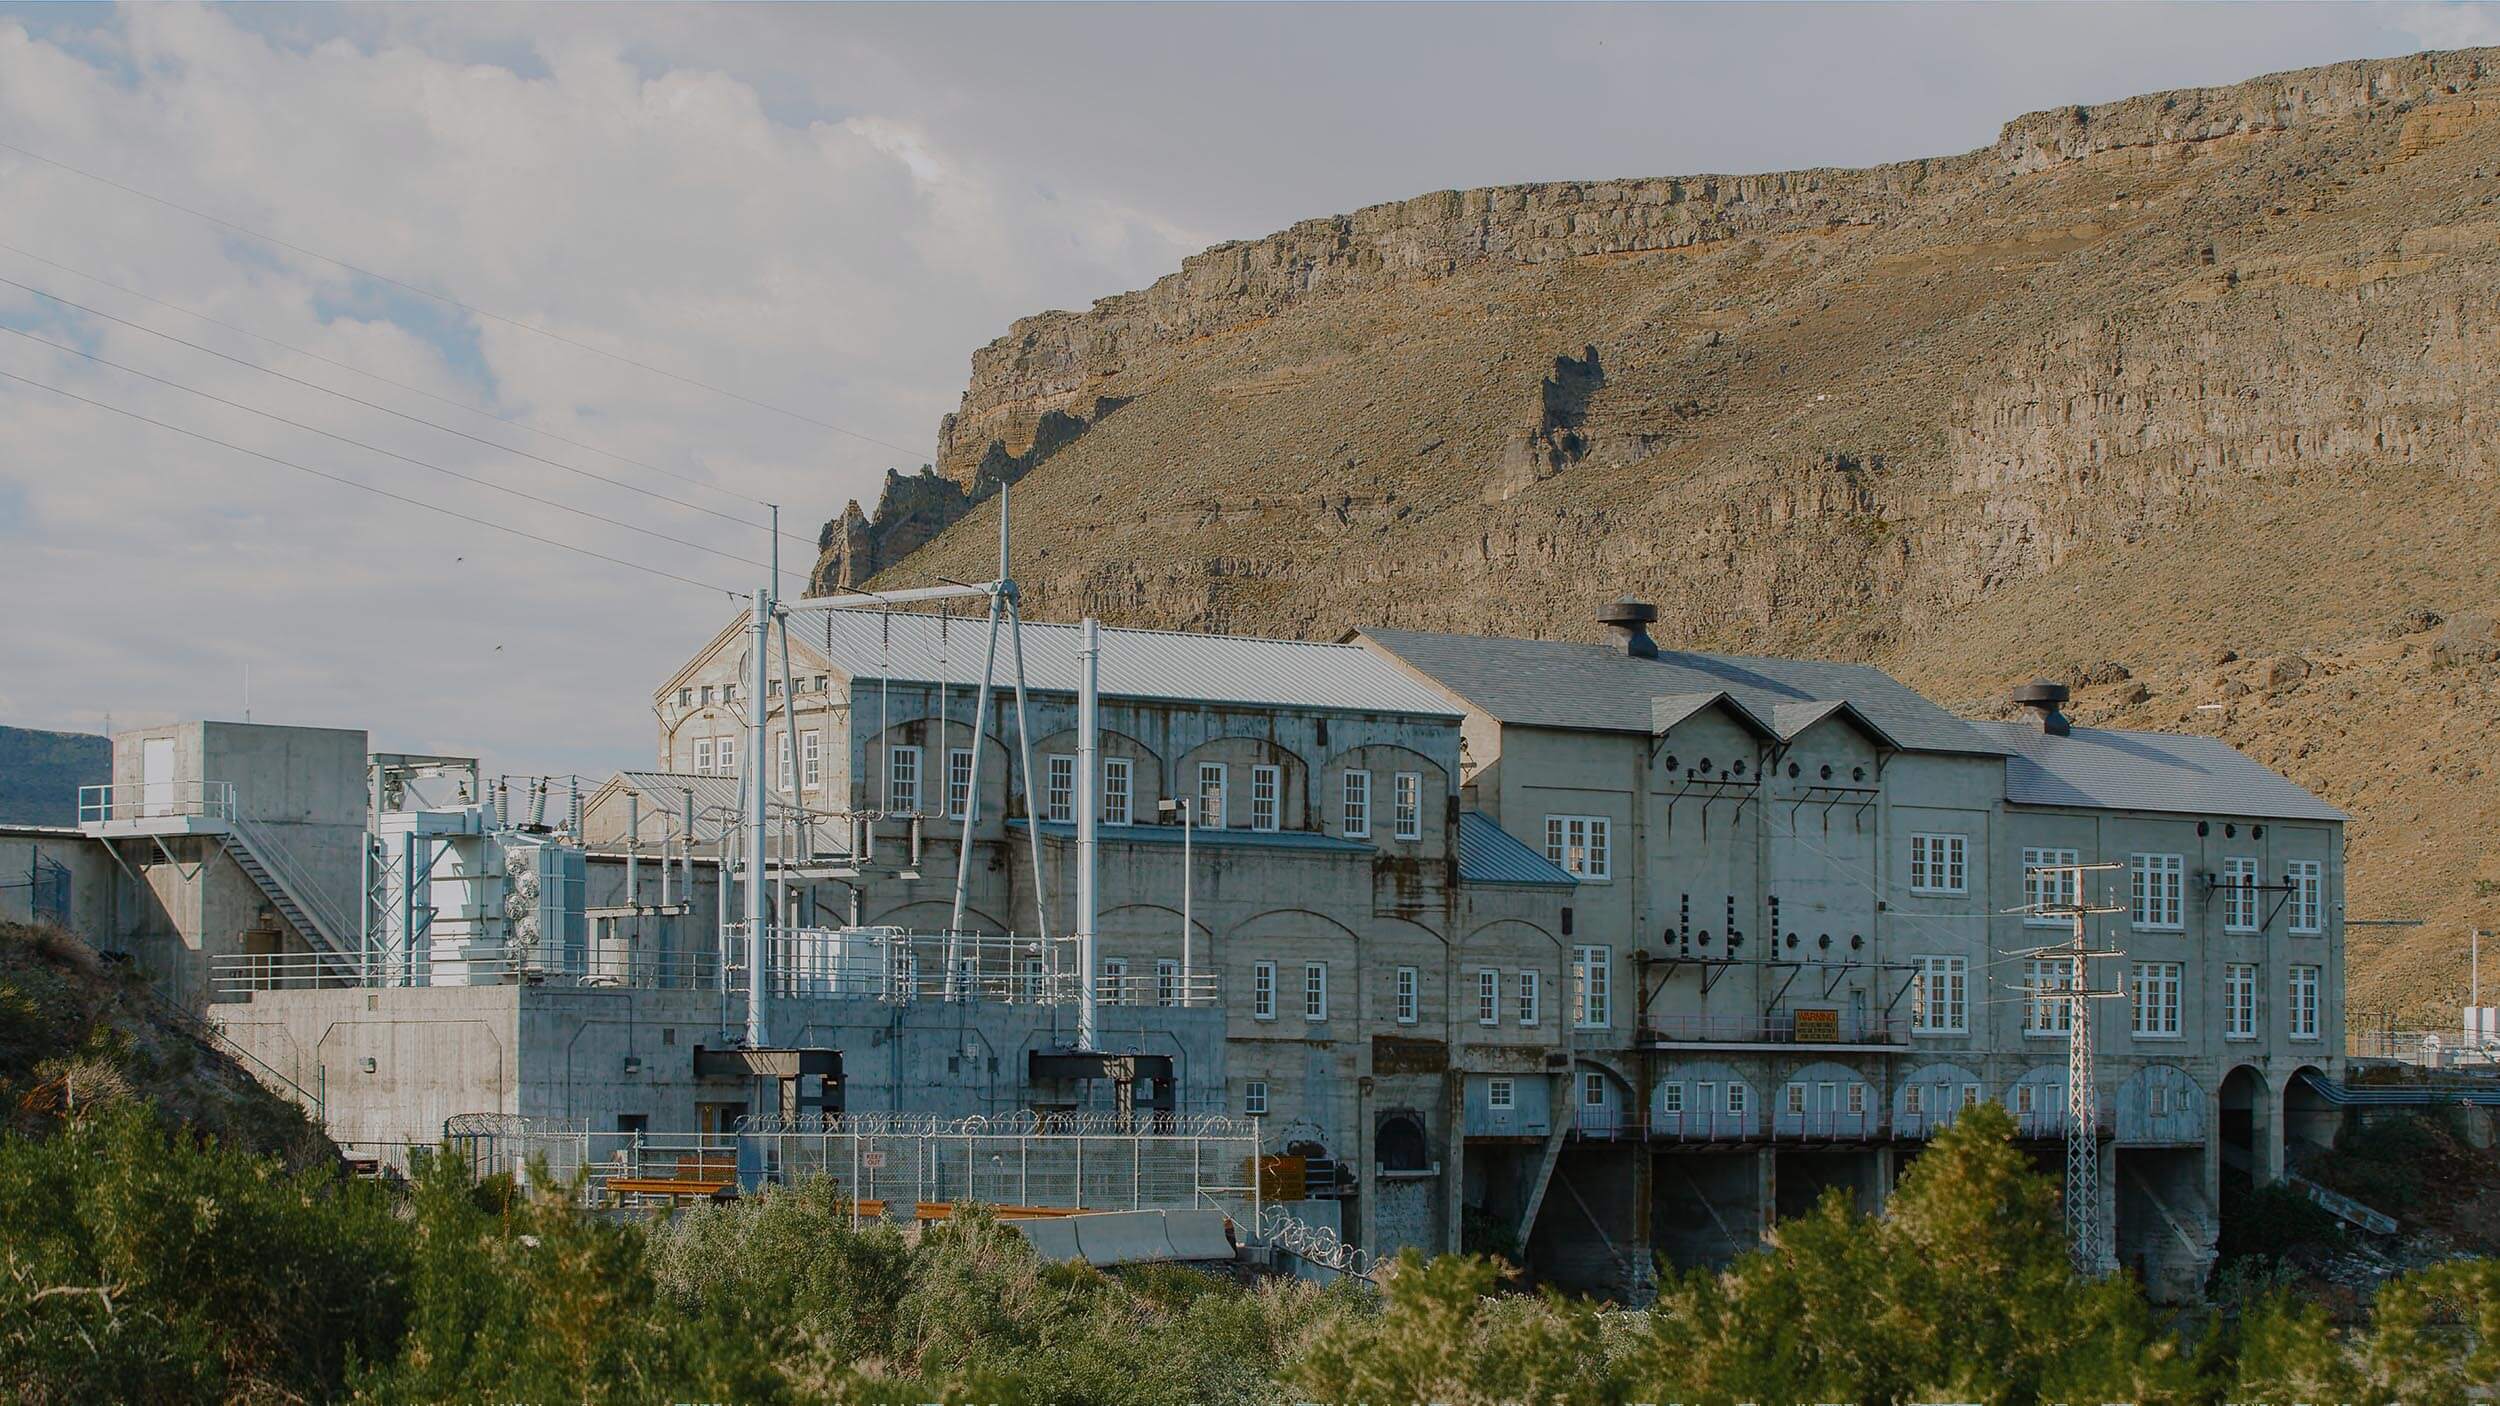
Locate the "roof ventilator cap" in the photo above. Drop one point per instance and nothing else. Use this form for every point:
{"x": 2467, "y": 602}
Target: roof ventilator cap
{"x": 1629, "y": 619}
{"x": 2039, "y": 698}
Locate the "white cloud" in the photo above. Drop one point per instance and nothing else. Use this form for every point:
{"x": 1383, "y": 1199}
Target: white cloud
{"x": 825, "y": 208}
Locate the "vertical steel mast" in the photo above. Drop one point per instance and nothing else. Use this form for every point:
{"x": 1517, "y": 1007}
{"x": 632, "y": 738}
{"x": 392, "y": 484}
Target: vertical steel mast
{"x": 2083, "y": 1101}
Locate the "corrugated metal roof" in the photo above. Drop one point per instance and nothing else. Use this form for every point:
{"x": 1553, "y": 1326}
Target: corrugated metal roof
{"x": 1554, "y": 683}
{"x": 1489, "y": 854}
{"x": 2181, "y": 773}
{"x": 1162, "y": 664}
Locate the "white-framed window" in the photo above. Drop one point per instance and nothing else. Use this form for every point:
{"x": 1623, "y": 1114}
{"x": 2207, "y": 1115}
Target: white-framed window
{"x": 2307, "y": 878}
{"x": 1211, "y": 795}
{"x": 958, "y": 782}
{"x": 1592, "y": 987}
{"x": 2239, "y": 1001}
{"x": 1970, "y": 1095}
{"x": 1254, "y": 1099}
{"x": 902, "y": 779}
{"x": 1267, "y": 791}
{"x": 703, "y": 756}
{"x": 788, "y": 766}
{"x": 1263, "y": 991}
{"x": 2303, "y": 1024}
{"x": 1857, "y": 1100}
{"x": 1939, "y": 863}
{"x": 2158, "y": 890}
{"x": 1358, "y": 804}
{"x": 2045, "y": 1013}
{"x": 1940, "y": 1003}
{"x": 1488, "y": 997}
{"x": 1914, "y": 1099}
{"x": 2026, "y": 1098}
{"x": 1119, "y": 790}
{"x": 2044, "y": 888}
{"x": 1167, "y": 982}
{"x": 1315, "y": 991}
{"x": 2156, "y": 1000}
{"x": 1581, "y": 845}
{"x": 725, "y": 755}
{"x": 1796, "y": 1095}
{"x": 1059, "y": 787}
{"x": 1410, "y": 996}
{"x": 1111, "y": 984}
{"x": 2239, "y": 893}
{"x": 811, "y": 759}
{"x": 1592, "y": 1089}
{"x": 1500, "y": 1094}
{"x": 1529, "y": 996}
{"x": 1671, "y": 1097}
{"x": 1738, "y": 1097}
{"x": 1408, "y": 800}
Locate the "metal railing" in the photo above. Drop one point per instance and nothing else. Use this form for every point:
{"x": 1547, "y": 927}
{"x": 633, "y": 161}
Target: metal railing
{"x": 1775, "y": 1028}
{"x": 154, "y": 800}
{"x": 1871, "y": 1124}
{"x": 337, "y": 927}
{"x": 243, "y": 973}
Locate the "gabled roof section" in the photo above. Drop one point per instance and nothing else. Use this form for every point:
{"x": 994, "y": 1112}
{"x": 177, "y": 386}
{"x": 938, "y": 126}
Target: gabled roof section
{"x": 1489, "y": 854}
{"x": 1151, "y": 664}
{"x": 1668, "y": 709}
{"x": 2177, "y": 772}
{"x": 803, "y": 659}
{"x": 1790, "y": 719}
{"x": 1594, "y": 687}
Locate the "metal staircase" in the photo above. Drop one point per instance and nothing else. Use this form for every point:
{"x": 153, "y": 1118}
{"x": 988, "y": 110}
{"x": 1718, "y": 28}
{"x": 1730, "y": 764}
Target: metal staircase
{"x": 315, "y": 918}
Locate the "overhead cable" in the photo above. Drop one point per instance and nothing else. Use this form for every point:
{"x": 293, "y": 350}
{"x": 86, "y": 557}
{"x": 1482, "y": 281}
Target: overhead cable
{"x": 369, "y": 488}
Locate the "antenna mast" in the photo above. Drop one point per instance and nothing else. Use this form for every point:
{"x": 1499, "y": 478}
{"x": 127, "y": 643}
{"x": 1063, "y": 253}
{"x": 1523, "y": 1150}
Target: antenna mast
{"x": 2083, "y": 1102}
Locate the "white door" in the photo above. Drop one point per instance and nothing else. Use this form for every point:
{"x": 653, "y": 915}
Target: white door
{"x": 156, "y": 775}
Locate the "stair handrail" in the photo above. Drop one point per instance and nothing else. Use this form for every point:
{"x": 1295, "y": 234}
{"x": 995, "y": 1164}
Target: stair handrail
{"x": 274, "y": 857}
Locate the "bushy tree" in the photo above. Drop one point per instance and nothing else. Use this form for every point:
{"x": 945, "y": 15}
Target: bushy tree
{"x": 138, "y": 1264}
{"x": 1961, "y": 1292}
{"x": 1440, "y": 1335}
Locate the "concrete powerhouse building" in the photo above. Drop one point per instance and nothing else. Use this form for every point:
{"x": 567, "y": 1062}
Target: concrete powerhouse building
{"x": 1608, "y": 951}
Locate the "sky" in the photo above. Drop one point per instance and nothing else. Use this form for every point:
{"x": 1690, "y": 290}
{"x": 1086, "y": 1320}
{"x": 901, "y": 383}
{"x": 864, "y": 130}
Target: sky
{"x": 687, "y": 261}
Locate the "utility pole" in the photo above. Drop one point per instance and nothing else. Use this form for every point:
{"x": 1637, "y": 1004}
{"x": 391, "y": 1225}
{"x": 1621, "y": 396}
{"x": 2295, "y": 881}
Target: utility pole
{"x": 1089, "y": 775}
{"x": 758, "y": 631}
{"x": 2083, "y": 1104}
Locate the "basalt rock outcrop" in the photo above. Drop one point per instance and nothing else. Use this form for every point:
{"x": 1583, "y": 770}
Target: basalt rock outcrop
{"x": 2143, "y": 384}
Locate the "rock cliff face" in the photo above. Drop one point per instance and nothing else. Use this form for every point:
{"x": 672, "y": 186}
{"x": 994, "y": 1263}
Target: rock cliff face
{"x": 2197, "y": 373}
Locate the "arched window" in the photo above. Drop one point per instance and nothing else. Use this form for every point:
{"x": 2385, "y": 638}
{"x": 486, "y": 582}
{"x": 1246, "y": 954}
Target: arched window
{"x": 1401, "y": 1146}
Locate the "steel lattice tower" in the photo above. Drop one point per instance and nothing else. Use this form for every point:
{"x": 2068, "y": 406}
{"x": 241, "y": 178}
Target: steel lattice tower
{"x": 2083, "y": 1103}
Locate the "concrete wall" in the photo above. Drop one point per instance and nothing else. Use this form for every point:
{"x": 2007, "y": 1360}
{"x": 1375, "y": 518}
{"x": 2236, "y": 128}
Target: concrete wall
{"x": 27, "y": 851}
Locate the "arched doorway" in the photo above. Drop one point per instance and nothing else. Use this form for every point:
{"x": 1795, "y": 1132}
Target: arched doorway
{"x": 2310, "y": 1121}
{"x": 1401, "y": 1146}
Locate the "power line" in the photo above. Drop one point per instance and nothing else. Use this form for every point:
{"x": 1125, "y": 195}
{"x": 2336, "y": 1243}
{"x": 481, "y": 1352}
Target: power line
{"x": 369, "y": 488}
{"x": 377, "y": 449}
{"x": 387, "y": 410}
{"x": 513, "y": 420}
{"x": 447, "y": 299}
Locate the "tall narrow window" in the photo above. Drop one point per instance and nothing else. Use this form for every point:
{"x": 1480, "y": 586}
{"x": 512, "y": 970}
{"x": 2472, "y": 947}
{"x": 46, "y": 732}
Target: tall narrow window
{"x": 958, "y": 782}
{"x": 1118, "y": 791}
{"x": 811, "y": 759}
{"x": 1580, "y": 845}
{"x": 1211, "y": 795}
{"x": 2158, "y": 884}
{"x": 1942, "y": 996}
{"x": 725, "y": 755}
{"x": 1254, "y": 1099}
{"x": 782, "y": 747}
{"x": 1358, "y": 804}
{"x": 1592, "y": 987}
{"x": 2239, "y": 894}
{"x": 1488, "y": 997}
{"x": 1529, "y": 995}
{"x": 902, "y": 780}
{"x": 2047, "y": 887}
{"x": 1409, "y": 995}
{"x": 1409, "y": 802}
{"x": 1267, "y": 785}
{"x": 1263, "y": 991}
{"x": 1939, "y": 864}
{"x": 2045, "y": 1010}
{"x": 2156, "y": 1000}
{"x": 1059, "y": 788}
{"x": 2303, "y": 1024}
{"x": 1315, "y": 991}
{"x": 2307, "y": 878}
{"x": 703, "y": 756}
{"x": 2239, "y": 1001}
{"x": 1167, "y": 982}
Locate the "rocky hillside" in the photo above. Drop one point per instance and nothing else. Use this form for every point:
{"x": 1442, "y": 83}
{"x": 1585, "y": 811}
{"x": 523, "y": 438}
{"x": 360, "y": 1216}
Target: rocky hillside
{"x": 40, "y": 773}
{"x": 2193, "y": 395}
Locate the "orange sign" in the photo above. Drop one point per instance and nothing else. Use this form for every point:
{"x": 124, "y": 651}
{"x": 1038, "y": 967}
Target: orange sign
{"x": 1818, "y": 1027}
